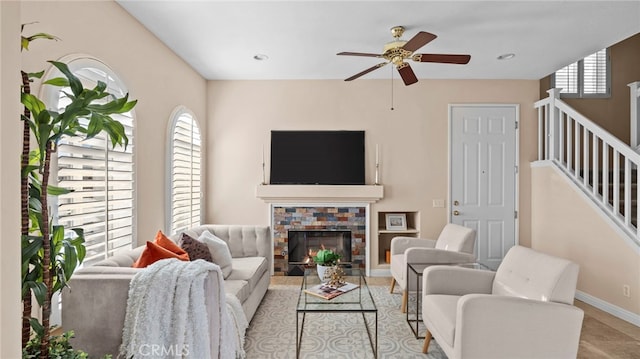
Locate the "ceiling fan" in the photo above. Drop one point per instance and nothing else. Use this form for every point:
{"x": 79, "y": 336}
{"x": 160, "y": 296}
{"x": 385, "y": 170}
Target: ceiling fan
{"x": 397, "y": 51}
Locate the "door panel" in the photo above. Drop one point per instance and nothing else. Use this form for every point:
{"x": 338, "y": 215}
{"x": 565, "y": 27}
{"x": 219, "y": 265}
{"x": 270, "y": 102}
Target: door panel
{"x": 483, "y": 176}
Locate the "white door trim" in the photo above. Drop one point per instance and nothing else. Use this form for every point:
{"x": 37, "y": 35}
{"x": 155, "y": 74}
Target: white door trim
{"x": 516, "y": 107}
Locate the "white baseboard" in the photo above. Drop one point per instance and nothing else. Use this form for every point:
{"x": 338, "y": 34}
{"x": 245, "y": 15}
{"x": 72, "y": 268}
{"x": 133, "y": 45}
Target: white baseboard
{"x": 609, "y": 308}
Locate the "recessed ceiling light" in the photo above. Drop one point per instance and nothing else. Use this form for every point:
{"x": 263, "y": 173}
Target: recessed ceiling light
{"x": 260, "y": 57}
{"x": 508, "y": 56}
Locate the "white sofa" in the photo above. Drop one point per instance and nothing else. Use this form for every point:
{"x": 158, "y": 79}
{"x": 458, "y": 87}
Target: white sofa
{"x": 94, "y": 305}
{"x": 523, "y": 310}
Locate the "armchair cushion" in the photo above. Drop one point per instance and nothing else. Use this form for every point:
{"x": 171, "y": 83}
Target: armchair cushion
{"x": 493, "y": 326}
{"x": 530, "y": 274}
{"x": 456, "y": 238}
{"x": 451, "y": 280}
{"x": 400, "y": 244}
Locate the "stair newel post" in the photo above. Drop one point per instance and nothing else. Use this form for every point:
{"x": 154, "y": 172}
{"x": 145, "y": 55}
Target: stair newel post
{"x": 634, "y": 89}
{"x": 634, "y": 92}
{"x": 553, "y": 130}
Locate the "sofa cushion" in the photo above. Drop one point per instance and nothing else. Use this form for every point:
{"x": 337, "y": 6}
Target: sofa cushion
{"x": 153, "y": 253}
{"x": 237, "y": 287}
{"x": 250, "y": 269}
{"x": 442, "y": 315}
{"x": 195, "y": 249}
{"x": 123, "y": 258}
{"x": 168, "y": 244}
{"x": 219, "y": 252}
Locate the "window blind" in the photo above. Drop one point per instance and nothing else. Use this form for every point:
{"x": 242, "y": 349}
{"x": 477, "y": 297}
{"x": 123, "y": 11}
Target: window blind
{"x": 185, "y": 162}
{"x": 567, "y": 78}
{"x": 588, "y": 77}
{"x": 595, "y": 73}
{"x": 101, "y": 177}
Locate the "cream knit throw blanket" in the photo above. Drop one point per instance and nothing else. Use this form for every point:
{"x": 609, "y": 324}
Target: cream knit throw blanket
{"x": 166, "y": 313}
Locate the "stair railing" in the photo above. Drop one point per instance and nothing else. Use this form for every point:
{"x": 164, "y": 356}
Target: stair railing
{"x": 604, "y": 167}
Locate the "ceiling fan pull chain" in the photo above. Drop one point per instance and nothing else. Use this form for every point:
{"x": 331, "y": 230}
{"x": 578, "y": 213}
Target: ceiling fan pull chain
{"x": 391, "y": 88}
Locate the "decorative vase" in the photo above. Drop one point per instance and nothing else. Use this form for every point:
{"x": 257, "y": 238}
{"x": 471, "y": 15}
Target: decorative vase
{"x": 321, "y": 271}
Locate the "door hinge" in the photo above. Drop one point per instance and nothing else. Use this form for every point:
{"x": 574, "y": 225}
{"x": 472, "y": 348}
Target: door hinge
{"x": 515, "y": 214}
{"x": 516, "y": 125}
{"x": 516, "y": 169}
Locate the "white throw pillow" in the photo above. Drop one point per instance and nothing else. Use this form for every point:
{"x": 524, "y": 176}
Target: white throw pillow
{"x": 219, "y": 251}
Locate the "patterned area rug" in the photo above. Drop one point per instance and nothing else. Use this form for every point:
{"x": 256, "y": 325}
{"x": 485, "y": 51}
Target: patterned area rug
{"x": 271, "y": 333}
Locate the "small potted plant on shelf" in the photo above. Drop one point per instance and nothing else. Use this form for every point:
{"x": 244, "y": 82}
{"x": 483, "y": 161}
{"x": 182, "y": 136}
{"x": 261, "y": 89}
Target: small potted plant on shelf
{"x": 324, "y": 259}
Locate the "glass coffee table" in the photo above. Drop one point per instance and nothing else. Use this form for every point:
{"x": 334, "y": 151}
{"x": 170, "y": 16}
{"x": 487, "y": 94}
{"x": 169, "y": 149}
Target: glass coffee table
{"x": 358, "y": 300}
{"x": 414, "y": 273}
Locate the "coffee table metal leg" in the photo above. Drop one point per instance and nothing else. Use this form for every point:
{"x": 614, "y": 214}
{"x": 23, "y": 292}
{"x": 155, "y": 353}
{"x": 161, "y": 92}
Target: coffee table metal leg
{"x": 372, "y": 340}
{"x": 299, "y": 336}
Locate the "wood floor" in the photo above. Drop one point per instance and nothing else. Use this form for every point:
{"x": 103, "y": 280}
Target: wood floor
{"x": 603, "y": 335}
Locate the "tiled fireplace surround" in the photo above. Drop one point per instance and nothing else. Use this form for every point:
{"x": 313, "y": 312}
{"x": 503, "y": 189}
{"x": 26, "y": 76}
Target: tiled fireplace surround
{"x": 318, "y": 217}
{"x": 320, "y": 207}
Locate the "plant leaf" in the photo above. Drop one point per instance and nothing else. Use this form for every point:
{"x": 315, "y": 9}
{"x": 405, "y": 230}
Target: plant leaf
{"x": 30, "y": 248}
{"x": 32, "y": 103}
{"x": 37, "y": 327}
{"x": 58, "y": 81}
{"x": 42, "y": 35}
{"x": 39, "y": 291}
{"x": 74, "y": 82}
{"x": 35, "y": 75}
{"x": 57, "y": 191}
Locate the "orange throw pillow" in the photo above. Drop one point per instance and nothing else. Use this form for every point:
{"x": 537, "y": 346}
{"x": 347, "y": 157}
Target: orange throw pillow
{"x": 153, "y": 253}
{"x": 168, "y": 244}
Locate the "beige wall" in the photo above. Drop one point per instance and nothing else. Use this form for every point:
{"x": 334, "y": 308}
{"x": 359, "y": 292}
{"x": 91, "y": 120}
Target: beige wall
{"x": 154, "y": 75}
{"x": 607, "y": 261}
{"x": 10, "y": 147}
{"x": 412, "y": 138}
{"x": 613, "y": 113}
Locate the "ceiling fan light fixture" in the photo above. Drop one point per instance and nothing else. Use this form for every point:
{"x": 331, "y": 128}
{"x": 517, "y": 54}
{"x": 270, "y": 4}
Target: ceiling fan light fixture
{"x": 397, "y": 51}
{"x": 507, "y": 56}
{"x": 260, "y": 57}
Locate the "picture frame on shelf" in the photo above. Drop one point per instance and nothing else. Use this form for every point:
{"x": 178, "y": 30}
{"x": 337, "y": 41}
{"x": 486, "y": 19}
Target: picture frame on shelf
{"x": 396, "y": 221}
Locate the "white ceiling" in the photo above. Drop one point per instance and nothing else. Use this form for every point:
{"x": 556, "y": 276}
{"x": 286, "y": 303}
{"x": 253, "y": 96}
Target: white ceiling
{"x": 219, "y": 38}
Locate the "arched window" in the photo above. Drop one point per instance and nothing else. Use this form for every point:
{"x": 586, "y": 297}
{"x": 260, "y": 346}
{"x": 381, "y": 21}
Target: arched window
{"x": 185, "y": 169}
{"x": 101, "y": 177}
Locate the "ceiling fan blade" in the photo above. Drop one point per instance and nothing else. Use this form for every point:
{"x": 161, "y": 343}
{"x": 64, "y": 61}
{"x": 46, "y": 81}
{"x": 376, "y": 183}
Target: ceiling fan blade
{"x": 442, "y": 58}
{"x": 366, "y": 71}
{"x": 359, "y": 54}
{"x": 407, "y": 74}
{"x": 422, "y": 38}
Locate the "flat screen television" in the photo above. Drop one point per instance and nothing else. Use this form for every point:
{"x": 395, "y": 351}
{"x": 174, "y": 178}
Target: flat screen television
{"x": 317, "y": 157}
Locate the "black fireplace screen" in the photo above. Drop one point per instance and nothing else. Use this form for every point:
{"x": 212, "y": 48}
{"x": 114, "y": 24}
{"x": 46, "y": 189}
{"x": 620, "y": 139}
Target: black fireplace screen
{"x": 302, "y": 244}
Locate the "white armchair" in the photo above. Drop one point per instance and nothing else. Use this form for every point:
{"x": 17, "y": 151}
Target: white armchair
{"x": 523, "y": 310}
{"x": 454, "y": 245}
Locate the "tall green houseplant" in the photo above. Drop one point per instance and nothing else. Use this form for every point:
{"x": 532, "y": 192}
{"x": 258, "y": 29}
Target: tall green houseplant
{"x": 49, "y": 257}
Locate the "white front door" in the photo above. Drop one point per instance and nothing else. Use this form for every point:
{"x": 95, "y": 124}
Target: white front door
{"x": 483, "y": 174}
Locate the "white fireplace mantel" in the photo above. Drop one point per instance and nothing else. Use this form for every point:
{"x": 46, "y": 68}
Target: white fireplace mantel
{"x": 323, "y": 193}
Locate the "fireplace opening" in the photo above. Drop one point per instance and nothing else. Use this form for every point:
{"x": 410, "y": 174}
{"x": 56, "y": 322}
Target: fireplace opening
{"x": 302, "y": 244}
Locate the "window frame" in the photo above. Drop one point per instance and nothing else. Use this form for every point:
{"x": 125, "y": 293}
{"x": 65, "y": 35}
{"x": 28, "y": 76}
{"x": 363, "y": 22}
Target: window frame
{"x": 176, "y": 115}
{"x": 580, "y": 81}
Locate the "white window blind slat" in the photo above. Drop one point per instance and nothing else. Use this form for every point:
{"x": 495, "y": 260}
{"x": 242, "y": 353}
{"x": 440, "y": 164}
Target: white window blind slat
{"x": 185, "y": 173}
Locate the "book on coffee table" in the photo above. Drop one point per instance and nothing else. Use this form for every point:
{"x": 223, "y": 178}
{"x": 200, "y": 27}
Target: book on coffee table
{"x": 326, "y": 291}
